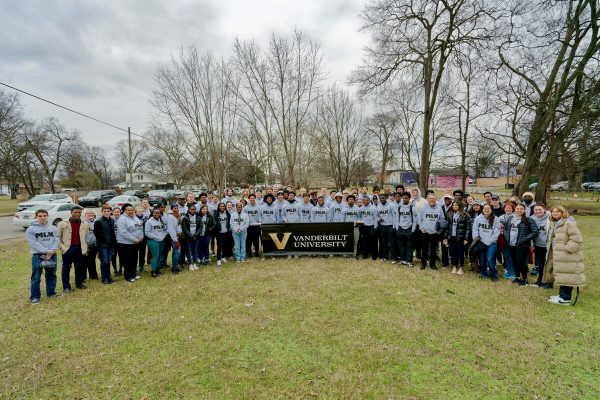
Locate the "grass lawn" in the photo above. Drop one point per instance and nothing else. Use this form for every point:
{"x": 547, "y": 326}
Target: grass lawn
{"x": 8, "y": 206}
{"x": 301, "y": 329}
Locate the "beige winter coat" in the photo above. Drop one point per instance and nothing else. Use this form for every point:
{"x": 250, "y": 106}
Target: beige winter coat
{"x": 64, "y": 234}
{"x": 564, "y": 261}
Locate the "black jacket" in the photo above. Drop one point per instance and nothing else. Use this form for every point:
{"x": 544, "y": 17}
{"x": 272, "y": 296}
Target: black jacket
{"x": 528, "y": 231}
{"x": 463, "y": 226}
{"x": 217, "y": 227}
{"x": 104, "y": 230}
{"x": 185, "y": 225}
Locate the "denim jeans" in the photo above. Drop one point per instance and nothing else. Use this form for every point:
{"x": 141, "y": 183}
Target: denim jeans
{"x": 175, "y": 256}
{"x": 191, "y": 250}
{"x": 239, "y": 245}
{"x": 203, "y": 243}
{"x": 105, "y": 256}
{"x": 72, "y": 256}
{"x": 36, "y": 276}
{"x": 156, "y": 249}
{"x": 508, "y": 264}
{"x": 487, "y": 260}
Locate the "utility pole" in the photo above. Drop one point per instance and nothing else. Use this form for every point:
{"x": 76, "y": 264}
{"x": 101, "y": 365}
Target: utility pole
{"x": 129, "y": 167}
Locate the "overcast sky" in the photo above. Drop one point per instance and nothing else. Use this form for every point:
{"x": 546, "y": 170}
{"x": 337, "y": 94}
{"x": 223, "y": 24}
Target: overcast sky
{"x": 98, "y": 57}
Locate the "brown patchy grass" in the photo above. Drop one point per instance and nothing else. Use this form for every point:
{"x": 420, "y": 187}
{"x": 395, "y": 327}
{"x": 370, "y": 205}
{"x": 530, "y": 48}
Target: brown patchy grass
{"x": 302, "y": 329}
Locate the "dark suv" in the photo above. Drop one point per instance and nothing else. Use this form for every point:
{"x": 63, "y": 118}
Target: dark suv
{"x": 137, "y": 193}
{"x": 96, "y": 198}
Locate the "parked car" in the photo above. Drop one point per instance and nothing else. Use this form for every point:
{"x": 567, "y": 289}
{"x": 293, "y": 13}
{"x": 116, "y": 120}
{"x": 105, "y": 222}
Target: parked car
{"x": 560, "y": 186}
{"x": 172, "y": 194}
{"x": 96, "y": 198}
{"x": 586, "y": 186}
{"x": 56, "y": 213}
{"x": 68, "y": 190}
{"x": 137, "y": 193}
{"x": 594, "y": 187}
{"x": 155, "y": 197}
{"x": 533, "y": 186}
{"x": 45, "y": 198}
{"x": 124, "y": 199}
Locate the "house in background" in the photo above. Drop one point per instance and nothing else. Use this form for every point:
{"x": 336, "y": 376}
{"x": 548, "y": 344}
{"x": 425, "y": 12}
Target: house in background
{"x": 395, "y": 177}
{"x": 447, "y": 178}
{"x": 146, "y": 181}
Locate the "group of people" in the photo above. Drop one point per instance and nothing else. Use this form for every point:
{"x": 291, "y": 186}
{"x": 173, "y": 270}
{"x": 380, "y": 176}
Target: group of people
{"x": 396, "y": 226}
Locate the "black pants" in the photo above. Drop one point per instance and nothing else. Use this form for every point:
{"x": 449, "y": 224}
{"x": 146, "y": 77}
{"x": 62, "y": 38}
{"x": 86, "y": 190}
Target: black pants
{"x": 387, "y": 234}
{"x": 228, "y": 249}
{"x": 253, "y": 239}
{"x": 395, "y": 245}
{"x": 128, "y": 255}
{"x": 540, "y": 260}
{"x": 445, "y": 253}
{"x": 89, "y": 263}
{"x": 565, "y": 292}
{"x": 72, "y": 256}
{"x": 404, "y": 237}
{"x": 519, "y": 256}
{"x": 220, "y": 238}
{"x": 417, "y": 242}
{"x": 142, "y": 254}
{"x": 114, "y": 260}
{"x": 429, "y": 245}
{"x": 368, "y": 241}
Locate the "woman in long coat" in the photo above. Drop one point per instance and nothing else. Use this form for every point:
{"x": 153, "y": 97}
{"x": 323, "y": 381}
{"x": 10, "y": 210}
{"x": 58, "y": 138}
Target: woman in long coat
{"x": 564, "y": 261}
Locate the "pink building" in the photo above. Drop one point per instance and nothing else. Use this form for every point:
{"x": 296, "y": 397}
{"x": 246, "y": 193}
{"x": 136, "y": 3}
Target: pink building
{"x": 447, "y": 178}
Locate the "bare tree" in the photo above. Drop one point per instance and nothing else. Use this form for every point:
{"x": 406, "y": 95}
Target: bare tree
{"x": 551, "y": 49}
{"x": 13, "y": 151}
{"x": 415, "y": 41}
{"x": 140, "y": 155}
{"x": 381, "y": 127}
{"x": 197, "y": 95}
{"x": 340, "y": 132}
{"x": 280, "y": 89}
{"x": 171, "y": 155}
{"x": 48, "y": 143}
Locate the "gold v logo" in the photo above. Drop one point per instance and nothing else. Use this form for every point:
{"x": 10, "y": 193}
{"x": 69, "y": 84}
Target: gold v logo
{"x": 280, "y": 244}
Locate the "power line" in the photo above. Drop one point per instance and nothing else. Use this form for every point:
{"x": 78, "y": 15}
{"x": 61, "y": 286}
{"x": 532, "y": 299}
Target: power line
{"x": 71, "y": 110}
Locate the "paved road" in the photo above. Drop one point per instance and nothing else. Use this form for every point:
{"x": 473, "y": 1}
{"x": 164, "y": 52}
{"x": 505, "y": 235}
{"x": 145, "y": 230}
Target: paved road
{"x": 9, "y": 231}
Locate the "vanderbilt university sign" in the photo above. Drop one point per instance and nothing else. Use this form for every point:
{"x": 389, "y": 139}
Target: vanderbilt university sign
{"x": 308, "y": 238}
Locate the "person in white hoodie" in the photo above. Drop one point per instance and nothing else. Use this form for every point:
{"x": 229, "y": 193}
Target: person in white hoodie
{"x": 239, "y": 229}
{"x": 43, "y": 245}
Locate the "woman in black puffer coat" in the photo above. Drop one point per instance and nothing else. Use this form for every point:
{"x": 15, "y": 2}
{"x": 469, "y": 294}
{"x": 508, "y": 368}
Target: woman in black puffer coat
{"x": 457, "y": 236}
{"x": 519, "y": 231}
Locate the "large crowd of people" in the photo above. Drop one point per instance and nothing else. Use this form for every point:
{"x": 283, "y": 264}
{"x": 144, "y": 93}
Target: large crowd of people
{"x": 456, "y": 231}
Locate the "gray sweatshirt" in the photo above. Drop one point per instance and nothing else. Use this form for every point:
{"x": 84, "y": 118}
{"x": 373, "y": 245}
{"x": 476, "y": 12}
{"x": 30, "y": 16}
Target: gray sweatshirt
{"x": 42, "y": 238}
{"x": 337, "y": 214}
{"x": 90, "y": 238}
{"x": 156, "y": 229}
{"x": 239, "y": 221}
{"x": 253, "y": 212}
{"x": 290, "y": 212}
{"x": 351, "y": 214}
{"x": 305, "y": 211}
{"x": 368, "y": 215}
{"x": 407, "y": 217}
{"x": 486, "y": 232}
{"x": 269, "y": 214}
{"x": 129, "y": 230}
{"x": 173, "y": 227}
{"x": 542, "y": 224}
{"x": 386, "y": 213}
{"x": 431, "y": 219}
{"x": 320, "y": 214}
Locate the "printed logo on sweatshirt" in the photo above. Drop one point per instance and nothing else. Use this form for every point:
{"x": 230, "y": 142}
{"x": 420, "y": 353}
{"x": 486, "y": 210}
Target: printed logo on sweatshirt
{"x": 44, "y": 235}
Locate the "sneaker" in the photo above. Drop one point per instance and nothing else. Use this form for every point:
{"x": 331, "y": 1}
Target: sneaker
{"x": 34, "y": 301}
{"x": 132, "y": 280}
{"x": 244, "y": 260}
{"x": 511, "y": 277}
{"x": 460, "y": 272}
{"x": 559, "y": 301}
{"x": 534, "y": 271}
{"x": 223, "y": 260}
{"x": 553, "y": 297}
{"x": 191, "y": 267}
{"x": 394, "y": 262}
{"x": 524, "y": 283}
{"x": 137, "y": 277}
{"x": 262, "y": 259}
{"x": 67, "y": 290}
{"x": 218, "y": 263}
{"x": 154, "y": 274}
{"x": 454, "y": 270}
{"x": 536, "y": 285}
{"x": 82, "y": 286}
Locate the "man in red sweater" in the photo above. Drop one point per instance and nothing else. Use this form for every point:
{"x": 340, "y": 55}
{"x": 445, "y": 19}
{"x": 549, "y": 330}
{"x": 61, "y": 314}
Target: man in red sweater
{"x": 72, "y": 234}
